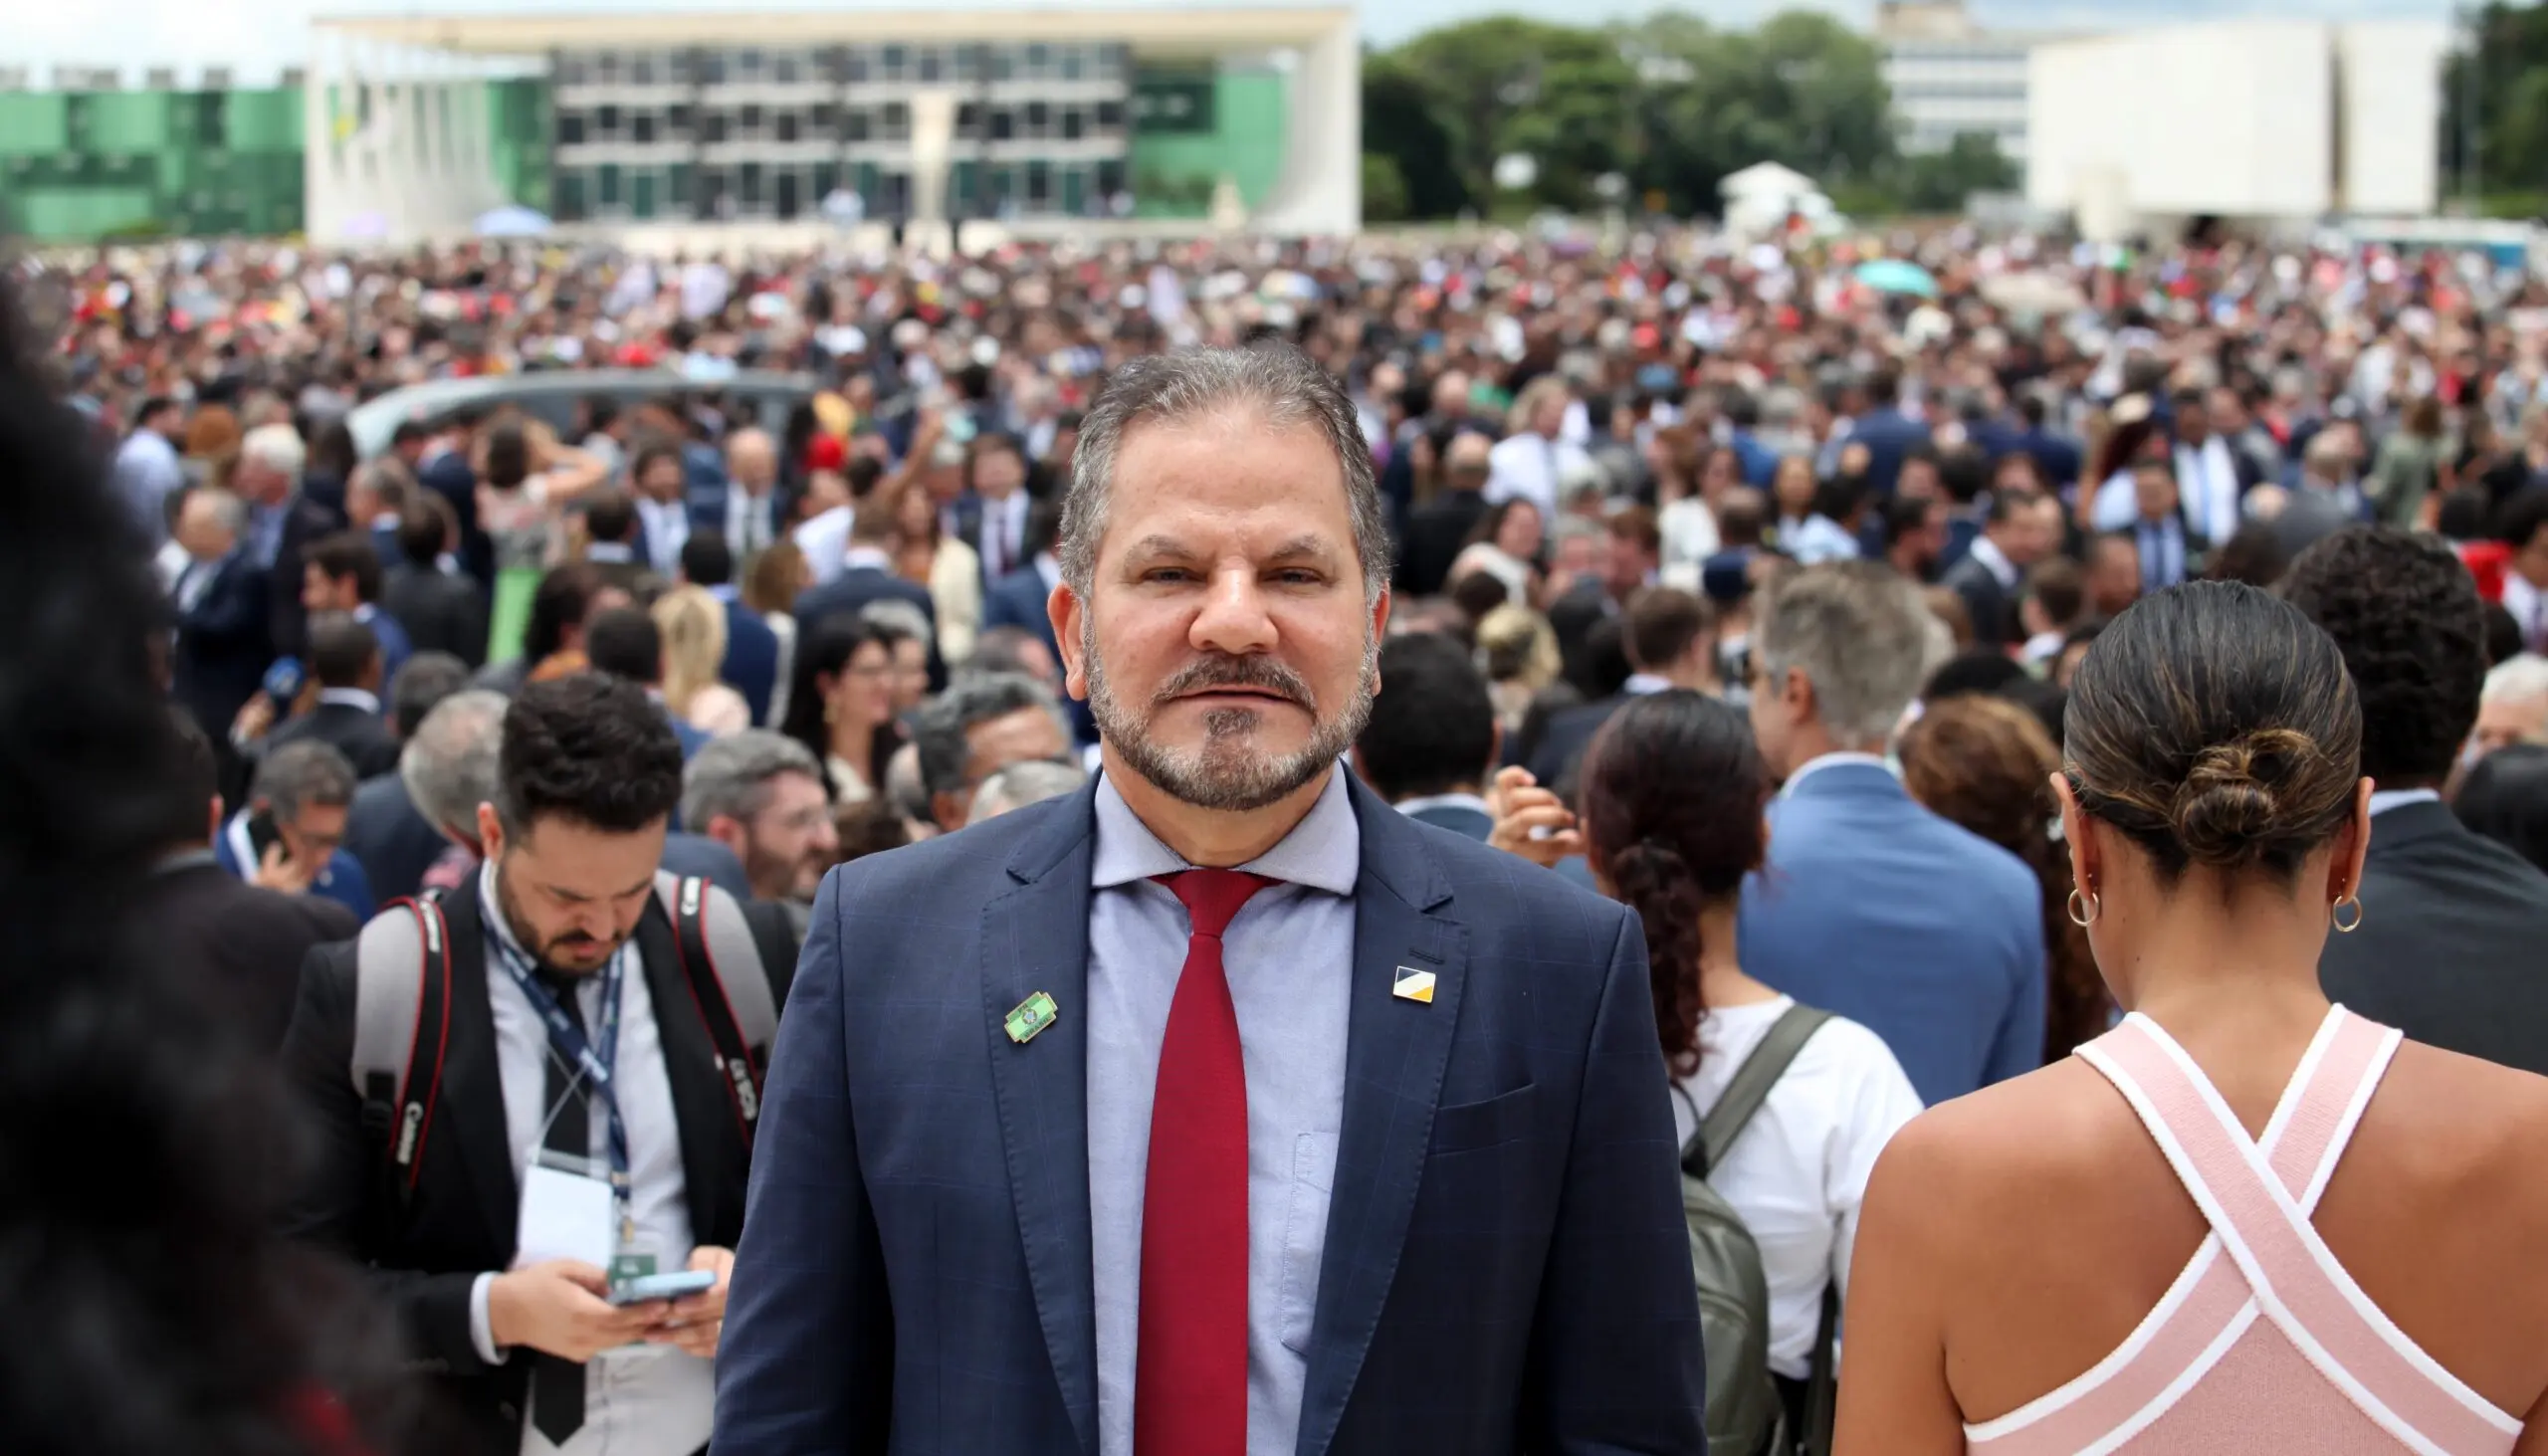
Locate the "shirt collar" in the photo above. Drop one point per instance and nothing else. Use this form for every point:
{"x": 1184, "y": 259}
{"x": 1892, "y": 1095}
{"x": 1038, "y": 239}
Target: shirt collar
{"x": 1423, "y": 802}
{"x": 1987, "y": 553}
{"x": 490, "y": 910}
{"x": 351, "y": 697}
{"x": 1642, "y": 685}
{"x": 1833, "y": 760}
{"x": 183, "y": 860}
{"x": 2384, "y": 800}
{"x": 867, "y": 557}
{"x": 1323, "y": 850}
{"x": 615, "y": 554}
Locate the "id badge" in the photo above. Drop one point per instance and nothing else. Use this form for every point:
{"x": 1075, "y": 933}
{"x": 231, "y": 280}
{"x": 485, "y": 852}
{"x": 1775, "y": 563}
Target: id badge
{"x": 566, "y": 1215}
{"x": 631, "y": 1263}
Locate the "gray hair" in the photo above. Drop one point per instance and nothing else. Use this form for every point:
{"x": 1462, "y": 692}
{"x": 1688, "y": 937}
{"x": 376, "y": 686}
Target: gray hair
{"x": 939, "y": 730}
{"x": 2522, "y": 675}
{"x": 299, "y": 774}
{"x": 423, "y": 682}
{"x": 1283, "y": 386}
{"x": 1860, "y": 632}
{"x": 451, "y": 763}
{"x": 732, "y": 775}
{"x": 276, "y": 448}
{"x": 1020, "y": 785}
{"x": 900, "y": 616}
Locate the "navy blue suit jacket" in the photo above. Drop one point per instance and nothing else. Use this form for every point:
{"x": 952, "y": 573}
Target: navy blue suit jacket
{"x": 1888, "y": 434}
{"x": 1506, "y": 1265}
{"x": 223, "y": 647}
{"x": 751, "y": 659}
{"x": 1017, "y": 600}
{"x": 1923, "y": 932}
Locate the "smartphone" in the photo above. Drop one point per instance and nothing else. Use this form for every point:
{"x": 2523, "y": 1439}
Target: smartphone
{"x": 671, "y": 1286}
{"x": 261, "y": 833}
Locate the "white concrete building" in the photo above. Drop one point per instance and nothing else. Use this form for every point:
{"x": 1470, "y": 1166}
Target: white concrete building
{"x": 2258, "y": 119}
{"x": 1949, "y": 76}
{"x": 1034, "y": 116}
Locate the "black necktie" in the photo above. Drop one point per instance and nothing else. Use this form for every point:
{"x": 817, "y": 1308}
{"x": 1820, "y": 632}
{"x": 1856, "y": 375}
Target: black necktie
{"x": 557, "y": 1384}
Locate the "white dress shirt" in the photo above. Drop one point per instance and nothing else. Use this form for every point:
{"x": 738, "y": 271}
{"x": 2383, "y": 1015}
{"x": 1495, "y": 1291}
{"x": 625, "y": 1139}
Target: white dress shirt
{"x": 2529, "y": 608}
{"x": 2384, "y": 800}
{"x": 667, "y": 531}
{"x": 823, "y": 540}
{"x": 751, "y": 523}
{"x": 1533, "y": 467}
{"x": 2208, "y": 482}
{"x": 1004, "y": 541}
{"x": 648, "y": 1401}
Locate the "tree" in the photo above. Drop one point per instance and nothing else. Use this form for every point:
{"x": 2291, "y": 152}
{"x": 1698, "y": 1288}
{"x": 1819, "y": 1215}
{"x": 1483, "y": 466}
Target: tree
{"x": 1506, "y": 85}
{"x": 1802, "y": 89}
{"x": 1384, "y": 198}
{"x": 2502, "y": 98}
{"x": 1400, "y": 125}
{"x": 1941, "y": 181}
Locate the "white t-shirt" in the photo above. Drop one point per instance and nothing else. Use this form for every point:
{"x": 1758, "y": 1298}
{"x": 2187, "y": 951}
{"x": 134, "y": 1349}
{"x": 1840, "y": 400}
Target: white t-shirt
{"x": 1798, "y": 1172}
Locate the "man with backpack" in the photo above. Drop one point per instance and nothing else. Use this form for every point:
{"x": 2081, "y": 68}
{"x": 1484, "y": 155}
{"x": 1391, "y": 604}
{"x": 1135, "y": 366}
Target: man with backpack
{"x": 534, "y": 1097}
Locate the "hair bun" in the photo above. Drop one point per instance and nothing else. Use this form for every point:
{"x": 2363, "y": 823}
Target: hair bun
{"x": 2225, "y": 811}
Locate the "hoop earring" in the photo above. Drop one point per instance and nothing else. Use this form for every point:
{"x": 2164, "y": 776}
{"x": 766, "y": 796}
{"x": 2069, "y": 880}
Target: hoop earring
{"x": 2094, "y": 906}
{"x": 2336, "y": 915}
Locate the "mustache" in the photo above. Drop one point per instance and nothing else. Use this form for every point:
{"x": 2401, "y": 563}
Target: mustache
{"x": 1220, "y": 671}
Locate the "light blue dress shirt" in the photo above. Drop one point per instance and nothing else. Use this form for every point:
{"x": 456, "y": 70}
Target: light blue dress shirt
{"x": 1289, "y": 955}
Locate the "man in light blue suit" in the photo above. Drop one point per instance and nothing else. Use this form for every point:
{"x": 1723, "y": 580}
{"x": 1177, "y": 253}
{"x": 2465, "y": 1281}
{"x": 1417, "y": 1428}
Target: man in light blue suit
{"x": 1871, "y": 906}
{"x": 1217, "y": 1108}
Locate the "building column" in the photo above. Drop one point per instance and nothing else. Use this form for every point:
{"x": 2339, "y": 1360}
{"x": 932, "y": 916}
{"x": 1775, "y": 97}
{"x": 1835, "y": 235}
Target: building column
{"x": 1320, "y": 190}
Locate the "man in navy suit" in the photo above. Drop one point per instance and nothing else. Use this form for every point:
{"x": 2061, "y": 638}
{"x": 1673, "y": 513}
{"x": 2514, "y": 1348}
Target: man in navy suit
{"x": 1017, "y": 599}
{"x": 867, "y": 575}
{"x": 1871, "y": 906}
{"x": 341, "y": 574}
{"x": 751, "y": 664}
{"x": 1886, "y": 432}
{"x": 1432, "y": 738}
{"x": 741, "y": 507}
{"x": 1354, "y": 1141}
{"x": 223, "y": 636}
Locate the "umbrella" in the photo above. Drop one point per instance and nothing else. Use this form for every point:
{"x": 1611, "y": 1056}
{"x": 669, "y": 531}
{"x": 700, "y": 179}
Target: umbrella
{"x": 513, "y": 221}
{"x": 1897, "y": 276}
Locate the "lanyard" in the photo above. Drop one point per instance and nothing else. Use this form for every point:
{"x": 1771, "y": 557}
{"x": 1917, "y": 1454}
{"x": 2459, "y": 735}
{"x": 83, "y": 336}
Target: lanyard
{"x": 570, "y": 1044}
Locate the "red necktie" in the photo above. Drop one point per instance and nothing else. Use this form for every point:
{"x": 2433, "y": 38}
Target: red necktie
{"x": 1189, "y": 1384}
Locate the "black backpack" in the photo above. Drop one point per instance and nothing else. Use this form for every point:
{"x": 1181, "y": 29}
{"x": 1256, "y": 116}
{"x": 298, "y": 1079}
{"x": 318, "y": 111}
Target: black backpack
{"x": 1744, "y": 1417}
{"x": 403, "y": 1010}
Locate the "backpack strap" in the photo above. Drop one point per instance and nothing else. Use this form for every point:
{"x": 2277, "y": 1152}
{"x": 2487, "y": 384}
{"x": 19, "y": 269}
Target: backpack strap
{"x": 721, "y": 963}
{"x": 1751, "y": 1082}
{"x": 402, "y": 1018}
{"x": 1821, "y": 1380}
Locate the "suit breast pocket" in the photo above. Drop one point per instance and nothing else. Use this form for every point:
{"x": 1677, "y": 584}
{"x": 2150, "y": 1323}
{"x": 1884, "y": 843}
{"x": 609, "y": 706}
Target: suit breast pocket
{"x": 1304, "y": 1234}
{"x": 1469, "y": 1126}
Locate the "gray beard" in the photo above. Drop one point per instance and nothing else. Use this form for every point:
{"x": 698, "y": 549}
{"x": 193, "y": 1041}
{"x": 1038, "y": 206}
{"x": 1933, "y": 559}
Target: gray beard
{"x": 1227, "y": 773}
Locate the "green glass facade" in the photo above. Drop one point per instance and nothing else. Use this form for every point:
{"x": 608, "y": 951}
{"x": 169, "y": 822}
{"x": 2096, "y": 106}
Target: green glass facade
{"x": 83, "y": 165}
{"x": 1193, "y": 125}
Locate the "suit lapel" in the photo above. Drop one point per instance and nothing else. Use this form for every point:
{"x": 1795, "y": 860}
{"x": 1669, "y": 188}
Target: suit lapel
{"x": 473, "y": 1095}
{"x": 1394, "y": 1056}
{"x": 1035, "y": 938}
{"x": 700, "y": 1106}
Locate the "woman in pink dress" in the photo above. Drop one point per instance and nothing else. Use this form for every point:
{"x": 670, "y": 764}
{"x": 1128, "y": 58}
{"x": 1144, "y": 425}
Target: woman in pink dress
{"x": 2245, "y": 1220}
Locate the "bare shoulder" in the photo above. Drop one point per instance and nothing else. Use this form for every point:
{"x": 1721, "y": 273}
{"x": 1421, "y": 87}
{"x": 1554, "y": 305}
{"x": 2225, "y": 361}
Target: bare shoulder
{"x": 2007, "y": 1154}
{"x": 2466, "y": 1123}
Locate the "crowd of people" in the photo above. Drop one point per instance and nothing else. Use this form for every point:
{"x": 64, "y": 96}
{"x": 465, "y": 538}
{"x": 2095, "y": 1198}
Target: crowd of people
{"x": 1933, "y": 685}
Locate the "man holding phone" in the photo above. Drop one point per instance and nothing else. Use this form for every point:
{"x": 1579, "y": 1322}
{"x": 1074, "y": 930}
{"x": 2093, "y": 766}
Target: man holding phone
{"x": 566, "y": 1163}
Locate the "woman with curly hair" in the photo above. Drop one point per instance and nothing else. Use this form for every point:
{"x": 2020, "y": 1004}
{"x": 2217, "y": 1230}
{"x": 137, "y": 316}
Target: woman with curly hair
{"x": 143, "y": 1141}
{"x": 1987, "y": 764}
{"x": 1672, "y": 793}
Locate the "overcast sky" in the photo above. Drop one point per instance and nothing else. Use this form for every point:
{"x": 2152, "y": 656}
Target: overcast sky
{"x": 260, "y": 37}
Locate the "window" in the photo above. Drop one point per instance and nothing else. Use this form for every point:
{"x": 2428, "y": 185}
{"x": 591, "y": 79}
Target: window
{"x": 747, "y": 62}
{"x": 1003, "y": 63}
{"x": 826, "y": 118}
{"x": 711, "y": 126}
{"x": 642, "y": 69}
{"x": 1039, "y": 58}
{"x": 1110, "y": 115}
{"x": 677, "y": 192}
{"x": 783, "y": 69}
{"x": 571, "y": 70}
{"x": 898, "y": 122}
{"x": 932, "y": 65}
{"x": 1074, "y": 124}
{"x": 971, "y": 62}
{"x": 855, "y": 125}
{"x": 1040, "y": 183}
{"x": 642, "y": 128}
{"x": 750, "y": 184}
{"x": 826, "y": 179}
{"x": 969, "y": 119}
{"x": 1003, "y": 124}
{"x": 606, "y": 120}
{"x": 642, "y": 188}
{"x": 1074, "y": 63}
{"x": 855, "y": 64}
{"x": 712, "y": 68}
{"x": 570, "y": 128}
{"x": 1110, "y": 178}
{"x": 607, "y": 193}
{"x": 1113, "y": 61}
{"x": 570, "y": 193}
{"x": 212, "y": 119}
{"x": 606, "y": 68}
{"x": 752, "y": 119}
{"x": 897, "y": 58}
{"x": 1039, "y": 117}
{"x": 679, "y": 120}
{"x": 787, "y": 125}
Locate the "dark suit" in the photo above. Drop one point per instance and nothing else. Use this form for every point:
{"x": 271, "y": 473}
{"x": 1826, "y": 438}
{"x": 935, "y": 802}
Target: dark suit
{"x": 389, "y": 838}
{"x": 244, "y": 945}
{"x": 1569, "y": 732}
{"x": 223, "y": 645}
{"x": 441, "y": 613}
{"x": 448, "y": 474}
{"x": 750, "y": 666}
{"x": 1992, "y": 606}
{"x": 460, "y": 1220}
{"x": 1017, "y": 600}
{"x": 708, "y": 501}
{"x": 1460, "y": 819}
{"x": 361, "y": 736}
{"x": 848, "y": 594}
{"x": 1434, "y": 537}
{"x": 2454, "y": 945}
{"x": 1889, "y": 435}
{"x": 304, "y": 524}
{"x": 1506, "y": 1267}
